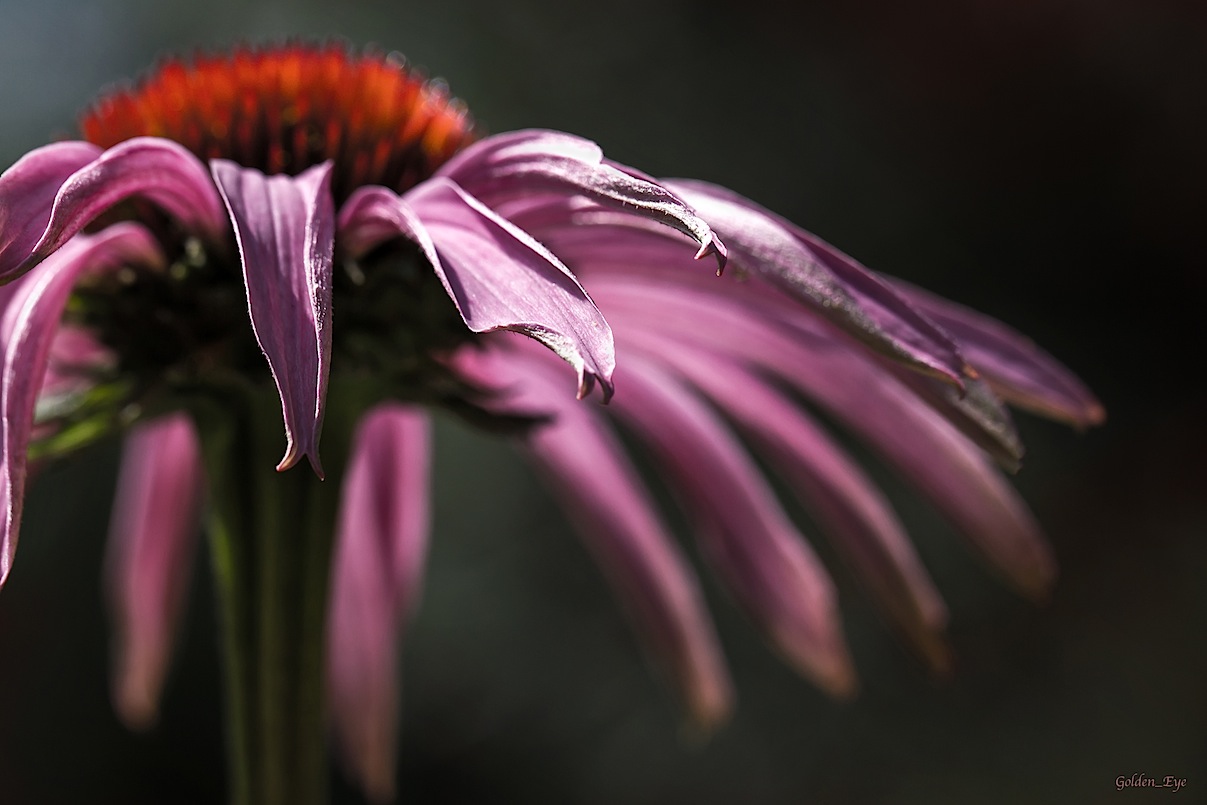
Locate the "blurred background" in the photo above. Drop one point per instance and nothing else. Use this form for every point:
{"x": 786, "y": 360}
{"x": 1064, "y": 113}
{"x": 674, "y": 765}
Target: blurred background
{"x": 1041, "y": 160}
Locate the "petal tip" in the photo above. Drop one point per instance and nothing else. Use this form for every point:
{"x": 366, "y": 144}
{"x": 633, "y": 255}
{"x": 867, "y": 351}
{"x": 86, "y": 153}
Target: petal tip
{"x": 586, "y": 384}
{"x": 1037, "y": 582}
{"x": 1095, "y": 414}
{"x": 824, "y": 661}
{"x": 713, "y": 246}
{"x": 136, "y": 707}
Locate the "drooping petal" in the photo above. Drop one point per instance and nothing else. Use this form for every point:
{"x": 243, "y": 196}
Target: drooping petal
{"x": 285, "y": 227}
{"x": 27, "y": 331}
{"x": 755, "y": 550}
{"x": 498, "y": 276}
{"x": 854, "y": 388}
{"x": 977, "y": 413}
{"x": 520, "y": 163}
{"x": 600, "y": 248}
{"x": 860, "y": 522}
{"x": 159, "y": 170}
{"x": 605, "y": 500}
{"x": 841, "y": 289}
{"x": 381, "y": 541}
{"x": 152, "y": 537}
{"x": 1017, "y": 369}
{"x": 27, "y": 192}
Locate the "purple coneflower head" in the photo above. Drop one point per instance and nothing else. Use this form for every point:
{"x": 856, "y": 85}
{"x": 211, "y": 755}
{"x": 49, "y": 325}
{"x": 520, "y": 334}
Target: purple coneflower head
{"x": 332, "y": 227}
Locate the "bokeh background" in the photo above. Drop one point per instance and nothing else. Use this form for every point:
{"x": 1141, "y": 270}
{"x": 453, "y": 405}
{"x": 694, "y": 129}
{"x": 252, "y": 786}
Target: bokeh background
{"x": 1042, "y": 160}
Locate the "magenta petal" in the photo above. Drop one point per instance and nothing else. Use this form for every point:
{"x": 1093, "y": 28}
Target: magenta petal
{"x": 841, "y": 289}
{"x": 152, "y": 536}
{"x": 754, "y": 548}
{"x": 27, "y": 332}
{"x": 285, "y": 227}
{"x": 928, "y": 451}
{"x": 606, "y": 501}
{"x": 860, "y": 522}
{"x": 498, "y": 276}
{"x": 977, "y": 413}
{"x": 159, "y": 170}
{"x": 27, "y": 193}
{"x": 1017, "y": 369}
{"x": 381, "y": 541}
{"x": 520, "y": 163}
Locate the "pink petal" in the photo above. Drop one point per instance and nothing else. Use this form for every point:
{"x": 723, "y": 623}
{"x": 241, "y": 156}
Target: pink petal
{"x": 859, "y": 521}
{"x": 159, "y": 170}
{"x": 595, "y": 244}
{"x": 1017, "y": 369}
{"x": 977, "y": 413}
{"x": 928, "y": 451}
{"x": 757, "y": 553}
{"x": 285, "y": 227}
{"x": 520, "y": 163}
{"x": 381, "y": 541}
{"x": 27, "y": 331}
{"x": 844, "y": 291}
{"x": 605, "y": 500}
{"x": 498, "y": 276}
{"x": 27, "y": 192}
{"x": 152, "y": 537}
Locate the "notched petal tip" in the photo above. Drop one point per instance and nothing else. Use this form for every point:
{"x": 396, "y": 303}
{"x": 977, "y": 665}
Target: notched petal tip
{"x": 506, "y": 166}
{"x": 586, "y": 385}
{"x": 501, "y": 278}
{"x": 293, "y": 457}
{"x": 838, "y": 287}
{"x": 713, "y": 246}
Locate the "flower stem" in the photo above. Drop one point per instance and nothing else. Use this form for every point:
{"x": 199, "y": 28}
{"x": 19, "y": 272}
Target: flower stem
{"x": 271, "y": 548}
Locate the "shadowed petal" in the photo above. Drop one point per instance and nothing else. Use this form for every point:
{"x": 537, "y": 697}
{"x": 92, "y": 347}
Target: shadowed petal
{"x": 605, "y": 500}
{"x": 859, "y": 521}
{"x": 285, "y": 227}
{"x": 928, "y": 451}
{"x": 754, "y": 549}
{"x": 604, "y": 248}
{"x": 159, "y": 170}
{"x": 1017, "y": 369}
{"x": 27, "y": 192}
{"x": 27, "y": 332}
{"x": 520, "y": 163}
{"x": 498, "y": 276}
{"x": 381, "y": 542}
{"x": 844, "y": 291}
{"x": 977, "y": 413}
{"x": 152, "y": 536}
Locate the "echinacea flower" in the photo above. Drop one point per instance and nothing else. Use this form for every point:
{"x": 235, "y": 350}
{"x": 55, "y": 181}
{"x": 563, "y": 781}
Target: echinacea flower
{"x": 300, "y": 237}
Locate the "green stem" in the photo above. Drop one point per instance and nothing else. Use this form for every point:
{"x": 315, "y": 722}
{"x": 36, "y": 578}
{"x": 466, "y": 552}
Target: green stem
{"x": 271, "y": 546}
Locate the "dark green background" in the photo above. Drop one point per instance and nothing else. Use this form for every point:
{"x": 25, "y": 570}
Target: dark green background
{"x": 1042, "y": 160}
